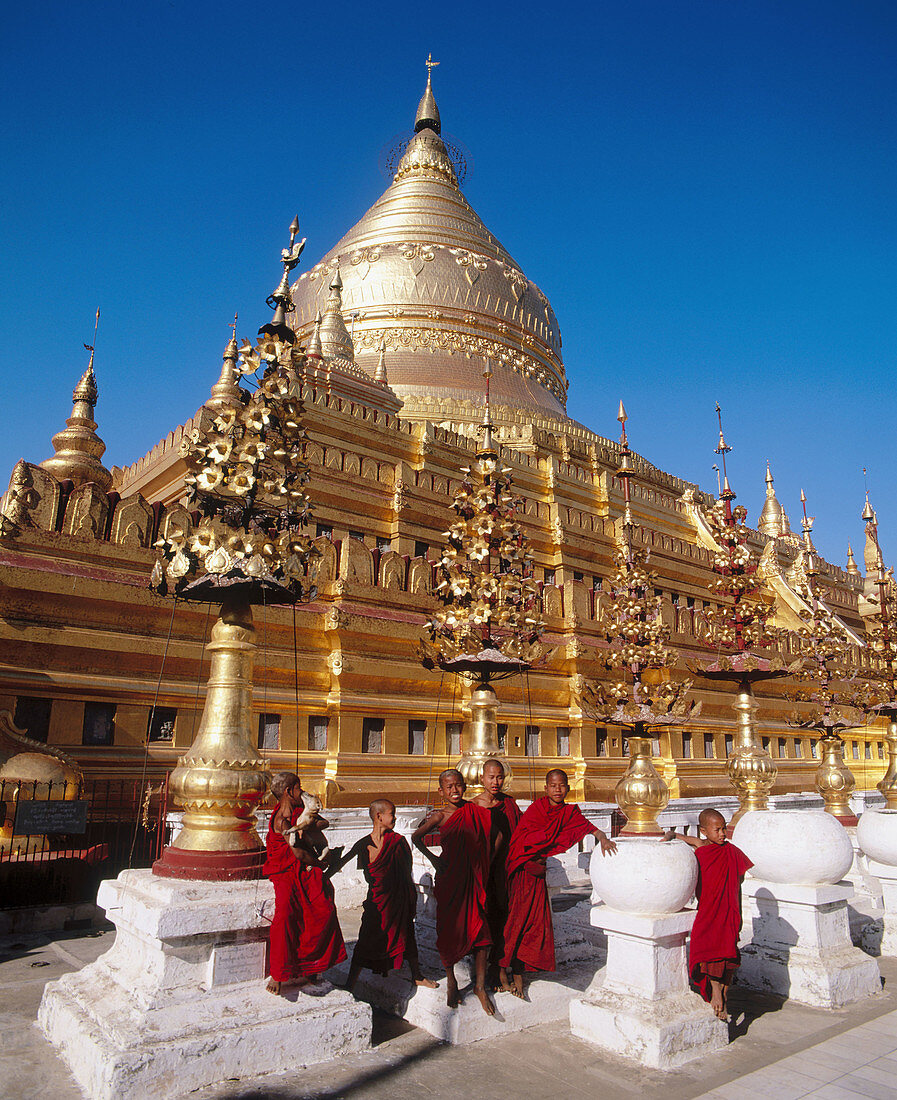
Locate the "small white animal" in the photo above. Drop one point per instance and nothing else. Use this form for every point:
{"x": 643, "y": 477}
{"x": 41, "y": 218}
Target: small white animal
{"x": 307, "y": 825}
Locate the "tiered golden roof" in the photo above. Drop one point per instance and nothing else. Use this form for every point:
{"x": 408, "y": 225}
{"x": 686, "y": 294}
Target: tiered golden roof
{"x": 423, "y": 276}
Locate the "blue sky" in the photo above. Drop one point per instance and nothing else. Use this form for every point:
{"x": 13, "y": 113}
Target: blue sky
{"x": 705, "y": 191}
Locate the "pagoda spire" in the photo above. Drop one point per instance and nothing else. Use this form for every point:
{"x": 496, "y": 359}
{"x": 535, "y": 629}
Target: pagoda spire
{"x": 380, "y": 372}
{"x": 78, "y": 447}
{"x": 852, "y": 567}
{"x": 226, "y": 392}
{"x": 314, "y": 350}
{"x": 773, "y": 521}
{"x": 336, "y": 343}
{"x": 427, "y": 117}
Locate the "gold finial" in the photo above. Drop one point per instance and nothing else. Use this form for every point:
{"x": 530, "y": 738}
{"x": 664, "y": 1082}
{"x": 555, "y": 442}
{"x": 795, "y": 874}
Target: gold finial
{"x": 723, "y": 449}
{"x": 225, "y": 394}
{"x": 233, "y": 327}
{"x": 773, "y": 521}
{"x": 380, "y": 372}
{"x": 852, "y": 568}
{"x": 427, "y": 117}
{"x": 769, "y": 481}
{"x": 78, "y": 447}
{"x": 488, "y": 446}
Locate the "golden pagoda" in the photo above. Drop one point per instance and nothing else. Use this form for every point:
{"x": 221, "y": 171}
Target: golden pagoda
{"x": 396, "y": 324}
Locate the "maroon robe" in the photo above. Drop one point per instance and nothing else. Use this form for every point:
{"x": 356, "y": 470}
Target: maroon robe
{"x": 505, "y": 818}
{"x": 305, "y": 932}
{"x": 714, "y": 935}
{"x": 386, "y": 935}
{"x": 461, "y": 883}
{"x": 544, "y": 830}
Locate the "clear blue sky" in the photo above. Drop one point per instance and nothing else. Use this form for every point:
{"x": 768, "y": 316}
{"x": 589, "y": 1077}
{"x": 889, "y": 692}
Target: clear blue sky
{"x": 705, "y": 190}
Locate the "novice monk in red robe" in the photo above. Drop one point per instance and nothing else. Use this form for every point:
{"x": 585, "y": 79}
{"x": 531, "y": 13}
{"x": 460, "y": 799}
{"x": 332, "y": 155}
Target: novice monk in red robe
{"x": 462, "y": 878}
{"x": 386, "y": 936}
{"x": 547, "y": 828}
{"x": 713, "y": 955}
{"x": 305, "y": 932}
{"x": 505, "y": 815}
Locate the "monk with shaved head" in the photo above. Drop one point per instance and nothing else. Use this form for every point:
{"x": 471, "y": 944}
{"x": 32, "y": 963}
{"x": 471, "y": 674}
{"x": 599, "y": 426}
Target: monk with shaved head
{"x": 713, "y": 955}
{"x": 462, "y": 883}
{"x": 386, "y": 937}
{"x": 548, "y": 827}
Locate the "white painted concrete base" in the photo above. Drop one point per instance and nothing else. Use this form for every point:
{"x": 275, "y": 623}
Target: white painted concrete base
{"x": 549, "y": 999}
{"x": 796, "y": 943}
{"x": 178, "y": 1002}
{"x": 880, "y": 935}
{"x": 640, "y": 1005}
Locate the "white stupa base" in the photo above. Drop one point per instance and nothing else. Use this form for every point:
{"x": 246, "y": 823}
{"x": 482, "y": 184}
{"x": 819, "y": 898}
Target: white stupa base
{"x": 796, "y": 943}
{"x": 179, "y": 1001}
{"x": 640, "y": 1006}
{"x": 880, "y": 934}
{"x": 549, "y": 997}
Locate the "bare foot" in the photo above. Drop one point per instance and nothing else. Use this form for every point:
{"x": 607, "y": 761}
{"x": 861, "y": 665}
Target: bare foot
{"x": 503, "y": 984}
{"x": 483, "y": 998}
{"x": 717, "y": 1003}
{"x": 273, "y": 987}
{"x": 427, "y": 983}
{"x": 452, "y": 998}
{"x": 518, "y": 987}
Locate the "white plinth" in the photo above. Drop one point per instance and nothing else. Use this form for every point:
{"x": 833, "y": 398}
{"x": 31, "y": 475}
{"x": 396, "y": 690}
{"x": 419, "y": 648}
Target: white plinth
{"x": 549, "y": 999}
{"x": 179, "y": 1000}
{"x": 640, "y": 1006}
{"x": 796, "y": 943}
{"x": 880, "y": 935}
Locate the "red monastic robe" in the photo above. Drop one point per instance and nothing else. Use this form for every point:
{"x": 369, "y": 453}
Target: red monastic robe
{"x": 461, "y": 884}
{"x": 505, "y": 818}
{"x": 386, "y": 935}
{"x": 544, "y": 830}
{"x": 305, "y": 932}
{"x": 714, "y": 936}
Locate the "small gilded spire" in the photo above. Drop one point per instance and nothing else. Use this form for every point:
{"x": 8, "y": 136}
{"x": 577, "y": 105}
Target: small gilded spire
{"x": 427, "y": 117}
{"x": 78, "y": 447}
{"x": 487, "y": 448}
{"x": 625, "y": 475}
{"x": 723, "y": 449}
{"x": 226, "y": 392}
{"x": 314, "y": 344}
{"x": 336, "y": 343}
{"x": 380, "y": 372}
{"x": 773, "y": 521}
{"x": 852, "y": 567}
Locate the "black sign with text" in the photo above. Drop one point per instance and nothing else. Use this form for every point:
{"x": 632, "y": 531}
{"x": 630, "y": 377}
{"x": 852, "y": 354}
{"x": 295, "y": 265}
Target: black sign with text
{"x": 43, "y": 818}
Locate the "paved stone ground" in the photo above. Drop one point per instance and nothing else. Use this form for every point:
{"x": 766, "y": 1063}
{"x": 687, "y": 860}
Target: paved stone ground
{"x": 779, "y": 1051}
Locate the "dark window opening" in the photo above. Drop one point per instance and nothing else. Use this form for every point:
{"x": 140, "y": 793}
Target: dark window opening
{"x": 730, "y": 744}
{"x": 532, "y": 740}
{"x": 384, "y": 544}
{"x": 357, "y": 535}
{"x": 161, "y": 724}
{"x": 502, "y": 737}
{"x": 317, "y": 732}
{"x": 33, "y": 716}
{"x": 417, "y": 737}
{"x": 453, "y": 738}
{"x": 563, "y": 747}
{"x": 324, "y": 529}
{"x": 686, "y": 746}
{"x": 549, "y": 576}
{"x": 421, "y": 549}
{"x": 269, "y": 731}
{"x": 372, "y": 735}
{"x": 709, "y": 748}
{"x": 99, "y": 724}
{"x": 601, "y": 740}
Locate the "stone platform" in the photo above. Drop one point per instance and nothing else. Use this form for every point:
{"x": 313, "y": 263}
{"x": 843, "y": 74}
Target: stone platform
{"x": 179, "y": 1001}
{"x": 549, "y": 997}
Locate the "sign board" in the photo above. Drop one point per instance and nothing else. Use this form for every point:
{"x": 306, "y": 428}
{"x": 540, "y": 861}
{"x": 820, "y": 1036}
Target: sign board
{"x": 44, "y": 818}
{"x": 238, "y": 962}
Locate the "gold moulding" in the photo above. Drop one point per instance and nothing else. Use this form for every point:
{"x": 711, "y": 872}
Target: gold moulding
{"x": 642, "y": 793}
{"x": 483, "y": 740}
{"x": 750, "y": 768}
{"x": 834, "y": 780}
{"x": 220, "y": 780}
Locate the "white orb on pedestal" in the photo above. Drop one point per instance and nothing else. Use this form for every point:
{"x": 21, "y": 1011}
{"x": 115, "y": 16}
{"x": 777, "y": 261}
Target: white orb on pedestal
{"x": 800, "y": 847}
{"x": 646, "y": 876}
{"x": 877, "y": 836}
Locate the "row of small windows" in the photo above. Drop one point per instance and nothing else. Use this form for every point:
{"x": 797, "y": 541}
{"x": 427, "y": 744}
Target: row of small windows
{"x": 33, "y": 716}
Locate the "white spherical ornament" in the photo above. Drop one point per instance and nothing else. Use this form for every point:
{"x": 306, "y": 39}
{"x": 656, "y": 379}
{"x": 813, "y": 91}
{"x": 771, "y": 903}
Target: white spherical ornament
{"x": 646, "y": 876}
{"x": 800, "y": 847}
{"x": 877, "y": 836}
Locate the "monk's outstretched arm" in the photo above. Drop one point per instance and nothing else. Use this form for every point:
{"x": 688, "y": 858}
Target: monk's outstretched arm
{"x": 430, "y": 822}
{"x": 692, "y": 841}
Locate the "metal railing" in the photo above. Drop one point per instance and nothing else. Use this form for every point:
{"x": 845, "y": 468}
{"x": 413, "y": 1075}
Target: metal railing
{"x": 57, "y": 843}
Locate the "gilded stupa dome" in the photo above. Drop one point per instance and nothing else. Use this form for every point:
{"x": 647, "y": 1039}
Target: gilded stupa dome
{"x": 426, "y": 287}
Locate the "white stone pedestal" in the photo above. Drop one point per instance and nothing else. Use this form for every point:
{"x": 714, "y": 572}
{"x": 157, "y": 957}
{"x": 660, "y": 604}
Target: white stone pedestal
{"x": 641, "y": 1006}
{"x": 796, "y": 943}
{"x": 179, "y": 1000}
{"x": 880, "y": 935}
